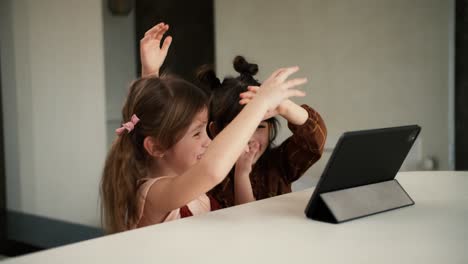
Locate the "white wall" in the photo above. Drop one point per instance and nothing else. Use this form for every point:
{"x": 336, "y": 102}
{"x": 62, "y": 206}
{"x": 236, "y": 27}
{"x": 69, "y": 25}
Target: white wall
{"x": 370, "y": 63}
{"x": 54, "y": 107}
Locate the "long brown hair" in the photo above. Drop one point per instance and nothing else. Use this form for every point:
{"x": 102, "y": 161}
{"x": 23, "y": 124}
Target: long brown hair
{"x": 166, "y": 107}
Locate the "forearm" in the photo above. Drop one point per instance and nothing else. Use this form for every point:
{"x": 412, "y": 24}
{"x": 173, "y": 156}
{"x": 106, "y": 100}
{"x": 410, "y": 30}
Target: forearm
{"x": 305, "y": 146}
{"x": 293, "y": 113}
{"x": 243, "y": 192}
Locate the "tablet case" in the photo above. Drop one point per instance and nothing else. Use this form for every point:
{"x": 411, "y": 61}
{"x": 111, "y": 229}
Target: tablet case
{"x": 359, "y": 178}
{"x": 348, "y": 204}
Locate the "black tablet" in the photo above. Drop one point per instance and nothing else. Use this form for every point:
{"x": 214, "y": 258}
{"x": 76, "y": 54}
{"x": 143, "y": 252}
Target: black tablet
{"x": 363, "y": 158}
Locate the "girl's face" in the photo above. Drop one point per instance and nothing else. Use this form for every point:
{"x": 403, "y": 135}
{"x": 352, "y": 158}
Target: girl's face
{"x": 191, "y": 147}
{"x": 261, "y": 136}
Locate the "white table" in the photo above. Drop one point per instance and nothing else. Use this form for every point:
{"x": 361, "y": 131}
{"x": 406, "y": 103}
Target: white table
{"x": 434, "y": 230}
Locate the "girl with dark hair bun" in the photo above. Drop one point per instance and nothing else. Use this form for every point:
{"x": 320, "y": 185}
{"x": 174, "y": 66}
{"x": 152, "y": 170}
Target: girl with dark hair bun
{"x": 270, "y": 170}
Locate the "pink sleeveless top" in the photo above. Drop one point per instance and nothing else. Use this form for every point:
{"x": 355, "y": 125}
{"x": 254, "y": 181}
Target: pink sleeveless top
{"x": 200, "y": 205}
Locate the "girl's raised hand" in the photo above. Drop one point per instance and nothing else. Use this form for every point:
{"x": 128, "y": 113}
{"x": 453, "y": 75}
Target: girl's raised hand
{"x": 278, "y": 88}
{"x": 152, "y": 55}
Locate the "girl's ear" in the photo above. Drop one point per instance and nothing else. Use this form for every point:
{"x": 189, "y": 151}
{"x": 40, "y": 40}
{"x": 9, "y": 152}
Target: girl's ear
{"x": 152, "y": 147}
{"x": 212, "y": 131}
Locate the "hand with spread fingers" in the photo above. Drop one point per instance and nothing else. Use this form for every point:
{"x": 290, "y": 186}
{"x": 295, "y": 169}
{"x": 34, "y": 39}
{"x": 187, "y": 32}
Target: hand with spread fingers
{"x": 278, "y": 88}
{"x": 152, "y": 54}
{"x": 287, "y": 108}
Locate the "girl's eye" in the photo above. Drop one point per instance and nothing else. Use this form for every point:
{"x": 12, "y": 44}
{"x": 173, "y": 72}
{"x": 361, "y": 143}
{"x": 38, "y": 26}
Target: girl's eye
{"x": 197, "y": 134}
{"x": 261, "y": 126}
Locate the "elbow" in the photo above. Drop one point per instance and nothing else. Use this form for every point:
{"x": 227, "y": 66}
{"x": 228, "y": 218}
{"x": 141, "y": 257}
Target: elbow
{"x": 238, "y": 201}
{"x": 214, "y": 173}
{"x": 322, "y": 139}
{"x": 316, "y": 151}
{"x": 315, "y": 148}
{"x": 319, "y": 155}
{"x": 215, "y": 178}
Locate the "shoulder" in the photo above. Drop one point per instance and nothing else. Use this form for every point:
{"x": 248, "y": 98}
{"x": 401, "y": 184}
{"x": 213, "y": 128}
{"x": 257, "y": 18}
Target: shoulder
{"x": 145, "y": 184}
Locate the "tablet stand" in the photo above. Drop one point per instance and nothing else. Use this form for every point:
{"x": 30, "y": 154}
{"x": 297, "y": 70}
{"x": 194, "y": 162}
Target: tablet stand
{"x": 347, "y": 204}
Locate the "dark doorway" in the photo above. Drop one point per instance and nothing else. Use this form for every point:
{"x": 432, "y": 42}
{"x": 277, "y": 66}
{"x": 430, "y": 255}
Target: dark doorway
{"x": 461, "y": 85}
{"x": 191, "y": 26}
{"x": 2, "y": 173}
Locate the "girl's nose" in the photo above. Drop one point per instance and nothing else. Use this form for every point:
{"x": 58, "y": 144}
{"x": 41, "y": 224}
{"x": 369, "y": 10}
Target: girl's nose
{"x": 206, "y": 141}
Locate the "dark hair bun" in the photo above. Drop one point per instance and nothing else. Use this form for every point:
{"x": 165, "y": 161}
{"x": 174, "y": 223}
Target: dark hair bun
{"x": 243, "y": 67}
{"x": 207, "y": 77}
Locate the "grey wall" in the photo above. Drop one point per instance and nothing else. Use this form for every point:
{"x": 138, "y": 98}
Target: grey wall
{"x": 369, "y": 63}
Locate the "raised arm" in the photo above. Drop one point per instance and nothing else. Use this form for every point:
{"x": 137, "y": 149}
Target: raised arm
{"x": 305, "y": 147}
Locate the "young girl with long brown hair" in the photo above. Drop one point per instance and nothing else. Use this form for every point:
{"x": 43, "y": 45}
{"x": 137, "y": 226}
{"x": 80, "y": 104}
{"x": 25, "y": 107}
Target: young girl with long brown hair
{"x": 162, "y": 163}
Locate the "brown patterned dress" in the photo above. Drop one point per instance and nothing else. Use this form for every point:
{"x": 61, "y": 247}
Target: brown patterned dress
{"x": 279, "y": 167}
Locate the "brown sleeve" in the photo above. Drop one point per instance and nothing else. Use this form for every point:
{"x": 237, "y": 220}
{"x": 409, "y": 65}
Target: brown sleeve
{"x": 305, "y": 147}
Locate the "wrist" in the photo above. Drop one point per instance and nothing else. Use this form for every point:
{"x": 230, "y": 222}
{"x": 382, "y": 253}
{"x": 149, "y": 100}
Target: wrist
{"x": 147, "y": 72}
{"x": 241, "y": 171}
{"x": 284, "y": 107}
{"x": 260, "y": 105}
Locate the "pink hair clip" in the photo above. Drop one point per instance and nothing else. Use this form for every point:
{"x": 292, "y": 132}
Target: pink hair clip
{"x": 129, "y": 126}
